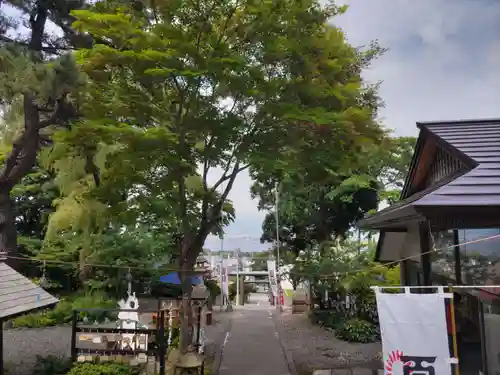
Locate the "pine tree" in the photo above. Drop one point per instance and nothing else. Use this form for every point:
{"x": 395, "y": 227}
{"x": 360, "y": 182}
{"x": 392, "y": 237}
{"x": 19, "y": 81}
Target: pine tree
{"x": 38, "y": 90}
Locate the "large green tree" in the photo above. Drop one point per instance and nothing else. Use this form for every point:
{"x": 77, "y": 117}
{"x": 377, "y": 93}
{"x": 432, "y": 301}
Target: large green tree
{"x": 259, "y": 260}
{"x": 38, "y": 91}
{"x": 390, "y": 164}
{"x": 316, "y": 205}
{"x": 215, "y": 86}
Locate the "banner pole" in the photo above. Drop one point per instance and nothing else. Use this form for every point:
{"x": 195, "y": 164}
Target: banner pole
{"x": 454, "y": 331}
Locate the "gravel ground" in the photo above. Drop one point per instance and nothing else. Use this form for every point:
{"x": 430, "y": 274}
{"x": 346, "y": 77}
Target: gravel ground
{"x": 22, "y": 346}
{"x": 312, "y": 347}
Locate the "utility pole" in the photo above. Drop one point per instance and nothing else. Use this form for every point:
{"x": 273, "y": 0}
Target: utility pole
{"x": 222, "y": 271}
{"x": 229, "y": 307}
{"x": 237, "y": 278}
{"x": 277, "y": 198}
{"x": 221, "y": 274}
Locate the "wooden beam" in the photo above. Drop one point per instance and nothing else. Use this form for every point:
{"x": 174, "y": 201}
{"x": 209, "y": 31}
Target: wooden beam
{"x": 424, "y": 164}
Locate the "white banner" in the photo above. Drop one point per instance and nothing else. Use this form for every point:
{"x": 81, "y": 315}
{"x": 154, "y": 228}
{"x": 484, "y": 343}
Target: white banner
{"x": 215, "y": 265}
{"x": 414, "y": 333}
{"x": 224, "y": 279}
{"x": 273, "y": 281}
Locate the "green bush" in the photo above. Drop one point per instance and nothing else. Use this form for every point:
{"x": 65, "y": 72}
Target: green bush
{"x": 248, "y": 288}
{"x": 52, "y": 365}
{"x": 327, "y": 319}
{"x": 213, "y": 288}
{"x": 317, "y": 316}
{"x": 357, "y": 330}
{"x": 334, "y": 321}
{"x": 176, "y": 335}
{"x": 62, "y": 313}
{"x": 95, "y": 300}
{"x": 103, "y": 369}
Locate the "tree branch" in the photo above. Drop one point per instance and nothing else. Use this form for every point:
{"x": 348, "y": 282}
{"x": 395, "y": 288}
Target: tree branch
{"x": 49, "y": 49}
{"x": 91, "y": 167}
{"x": 12, "y": 158}
{"x": 56, "y": 115}
{"x": 226, "y": 177}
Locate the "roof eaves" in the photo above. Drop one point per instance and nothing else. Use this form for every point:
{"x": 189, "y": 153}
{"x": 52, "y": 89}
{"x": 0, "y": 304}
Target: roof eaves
{"x": 458, "y": 122}
{"x": 413, "y": 164}
{"x": 412, "y": 201}
{"x": 48, "y": 306}
{"x": 466, "y": 159}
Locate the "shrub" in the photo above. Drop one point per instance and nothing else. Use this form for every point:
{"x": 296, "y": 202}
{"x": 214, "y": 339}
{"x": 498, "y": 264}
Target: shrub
{"x": 176, "y": 334}
{"x": 62, "y": 313}
{"x": 213, "y": 288}
{"x": 334, "y": 321}
{"x": 248, "y": 288}
{"x": 52, "y": 365}
{"x": 103, "y": 369}
{"x": 357, "y": 330}
{"x": 95, "y": 300}
{"x": 327, "y": 318}
{"x": 318, "y": 316}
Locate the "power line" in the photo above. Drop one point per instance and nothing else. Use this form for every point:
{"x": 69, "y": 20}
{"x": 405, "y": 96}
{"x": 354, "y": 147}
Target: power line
{"x": 396, "y": 262}
{"x": 85, "y": 264}
{"x": 322, "y": 276}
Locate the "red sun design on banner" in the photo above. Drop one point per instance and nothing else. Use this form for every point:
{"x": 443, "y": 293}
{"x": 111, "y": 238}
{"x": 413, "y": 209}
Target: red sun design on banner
{"x": 394, "y": 356}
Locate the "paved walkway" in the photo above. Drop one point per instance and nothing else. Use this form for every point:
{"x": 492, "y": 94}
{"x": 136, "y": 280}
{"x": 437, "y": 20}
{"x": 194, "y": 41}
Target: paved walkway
{"x": 252, "y": 346}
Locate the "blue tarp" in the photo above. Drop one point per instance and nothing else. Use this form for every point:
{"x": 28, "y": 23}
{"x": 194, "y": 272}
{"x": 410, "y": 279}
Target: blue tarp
{"x": 173, "y": 278}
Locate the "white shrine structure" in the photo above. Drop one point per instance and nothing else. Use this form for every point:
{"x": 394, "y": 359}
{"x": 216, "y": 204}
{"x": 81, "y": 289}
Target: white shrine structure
{"x": 130, "y": 320}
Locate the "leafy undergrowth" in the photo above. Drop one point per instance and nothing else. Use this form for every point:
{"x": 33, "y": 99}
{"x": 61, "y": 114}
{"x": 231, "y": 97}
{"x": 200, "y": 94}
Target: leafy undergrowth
{"x": 54, "y": 365}
{"x": 358, "y": 330}
{"x": 62, "y": 313}
{"x": 103, "y": 369}
{"x": 351, "y": 330}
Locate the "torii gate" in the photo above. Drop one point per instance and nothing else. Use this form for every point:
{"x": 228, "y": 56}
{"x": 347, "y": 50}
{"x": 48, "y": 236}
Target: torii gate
{"x": 242, "y": 280}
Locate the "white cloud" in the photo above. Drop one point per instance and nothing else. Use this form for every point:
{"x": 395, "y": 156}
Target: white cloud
{"x": 442, "y": 59}
{"x": 245, "y": 232}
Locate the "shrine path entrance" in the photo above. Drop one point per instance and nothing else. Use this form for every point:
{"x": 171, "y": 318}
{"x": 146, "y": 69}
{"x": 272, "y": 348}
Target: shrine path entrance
{"x": 252, "y": 345}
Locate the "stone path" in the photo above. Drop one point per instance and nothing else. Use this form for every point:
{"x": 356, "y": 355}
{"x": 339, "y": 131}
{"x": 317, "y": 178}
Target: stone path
{"x": 252, "y": 346}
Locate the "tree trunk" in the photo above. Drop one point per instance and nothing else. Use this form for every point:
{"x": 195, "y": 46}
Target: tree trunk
{"x": 8, "y": 232}
{"x": 187, "y": 260}
{"x": 186, "y": 315}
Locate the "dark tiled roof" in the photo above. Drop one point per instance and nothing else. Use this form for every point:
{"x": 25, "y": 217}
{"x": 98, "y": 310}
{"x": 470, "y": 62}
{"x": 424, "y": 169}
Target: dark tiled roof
{"x": 19, "y": 295}
{"x": 480, "y": 141}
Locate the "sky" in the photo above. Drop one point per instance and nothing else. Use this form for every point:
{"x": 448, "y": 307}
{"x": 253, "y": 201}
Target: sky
{"x": 443, "y": 63}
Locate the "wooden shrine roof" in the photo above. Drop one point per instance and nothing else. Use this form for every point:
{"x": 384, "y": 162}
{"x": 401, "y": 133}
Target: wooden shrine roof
{"x": 19, "y": 295}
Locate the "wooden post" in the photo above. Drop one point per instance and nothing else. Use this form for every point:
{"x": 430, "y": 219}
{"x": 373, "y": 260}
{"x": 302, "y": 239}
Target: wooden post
{"x": 454, "y": 331}
{"x": 74, "y": 322}
{"x": 198, "y": 327}
{"x": 1, "y": 348}
{"x": 484, "y": 355}
{"x": 161, "y": 342}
